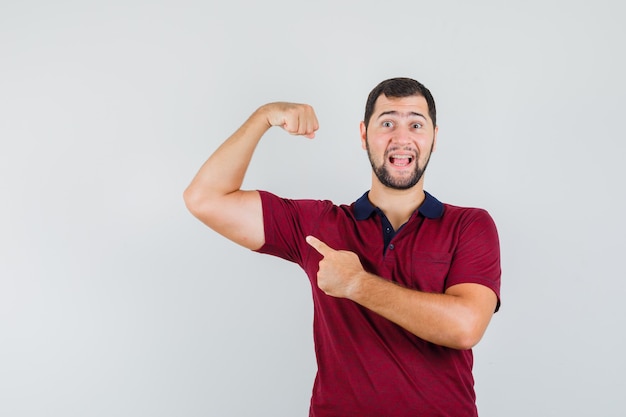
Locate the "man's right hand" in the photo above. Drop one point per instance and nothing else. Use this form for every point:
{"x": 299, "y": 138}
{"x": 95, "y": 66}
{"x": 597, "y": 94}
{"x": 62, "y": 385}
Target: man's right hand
{"x": 296, "y": 119}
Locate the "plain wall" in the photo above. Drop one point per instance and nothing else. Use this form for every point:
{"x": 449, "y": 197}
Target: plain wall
{"x": 115, "y": 301}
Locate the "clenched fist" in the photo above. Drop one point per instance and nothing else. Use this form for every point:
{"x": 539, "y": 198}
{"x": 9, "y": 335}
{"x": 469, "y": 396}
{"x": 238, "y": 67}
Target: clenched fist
{"x": 297, "y": 119}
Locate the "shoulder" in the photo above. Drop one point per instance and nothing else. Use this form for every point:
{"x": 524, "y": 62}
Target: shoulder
{"x": 311, "y": 209}
{"x": 456, "y": 213}
{"x": 268, "y": 197}
{"x": 273, "y": 199}
{"x": 465, "y": 222}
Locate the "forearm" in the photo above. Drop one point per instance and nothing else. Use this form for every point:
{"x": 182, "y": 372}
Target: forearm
{"x": 451, "y": 319}
{"x": 456, "y": 319}
{"x": 224, "y": 171}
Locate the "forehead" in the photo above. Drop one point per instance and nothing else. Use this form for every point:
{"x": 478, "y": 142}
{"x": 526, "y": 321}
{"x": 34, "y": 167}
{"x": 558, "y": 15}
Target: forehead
{"x": 401, "y": 105}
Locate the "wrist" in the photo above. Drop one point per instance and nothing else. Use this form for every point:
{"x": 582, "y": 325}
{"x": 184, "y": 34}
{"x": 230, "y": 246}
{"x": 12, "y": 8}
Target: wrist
{"x": 261, "y": 116}
{"x": 361, "y": 286}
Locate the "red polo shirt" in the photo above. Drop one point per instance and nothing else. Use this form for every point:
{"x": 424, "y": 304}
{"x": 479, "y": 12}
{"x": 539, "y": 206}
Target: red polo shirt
{"x": 367, "y": 365}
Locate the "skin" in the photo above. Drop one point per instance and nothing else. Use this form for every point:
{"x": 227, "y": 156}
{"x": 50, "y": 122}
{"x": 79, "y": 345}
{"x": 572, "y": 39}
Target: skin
{"x": 399, "y": 127}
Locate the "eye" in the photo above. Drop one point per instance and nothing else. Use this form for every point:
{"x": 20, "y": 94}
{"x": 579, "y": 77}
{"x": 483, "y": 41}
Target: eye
{"x": 387, "y": 124}
{"x": 417, "y": 125}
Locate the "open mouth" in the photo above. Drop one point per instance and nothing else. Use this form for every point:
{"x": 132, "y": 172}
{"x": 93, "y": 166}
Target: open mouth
{"x": 400, "y": 160}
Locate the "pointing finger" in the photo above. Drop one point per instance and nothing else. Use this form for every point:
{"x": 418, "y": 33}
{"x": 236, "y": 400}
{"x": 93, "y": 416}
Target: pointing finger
{"x": 318, "y": 245}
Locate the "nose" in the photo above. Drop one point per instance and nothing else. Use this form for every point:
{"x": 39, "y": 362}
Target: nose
{"x": 401, "y": 136}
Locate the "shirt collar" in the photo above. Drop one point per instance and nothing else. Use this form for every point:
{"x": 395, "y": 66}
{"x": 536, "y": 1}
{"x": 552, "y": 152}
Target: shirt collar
{"x": 431, "y": 208}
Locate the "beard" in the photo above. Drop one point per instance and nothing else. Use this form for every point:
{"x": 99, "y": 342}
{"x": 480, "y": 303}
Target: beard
{"x": 397, "y": 183}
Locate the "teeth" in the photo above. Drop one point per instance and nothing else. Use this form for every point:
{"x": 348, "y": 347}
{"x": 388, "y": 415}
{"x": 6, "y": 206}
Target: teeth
{"x": 401, "y": 157}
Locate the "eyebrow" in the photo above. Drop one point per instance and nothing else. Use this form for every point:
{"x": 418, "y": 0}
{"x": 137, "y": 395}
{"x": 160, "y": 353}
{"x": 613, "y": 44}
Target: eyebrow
{"x": 397, "y": 113}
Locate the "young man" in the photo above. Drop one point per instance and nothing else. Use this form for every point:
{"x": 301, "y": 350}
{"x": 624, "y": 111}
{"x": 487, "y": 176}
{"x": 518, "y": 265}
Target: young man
{"x": 403, "y": 285}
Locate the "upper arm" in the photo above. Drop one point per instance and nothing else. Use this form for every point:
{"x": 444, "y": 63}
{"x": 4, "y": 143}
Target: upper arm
{"x": 238, "y": 216}
{"x": 474, "y": 275}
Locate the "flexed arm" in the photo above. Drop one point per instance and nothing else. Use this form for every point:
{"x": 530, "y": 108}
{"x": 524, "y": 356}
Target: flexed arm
{"x": 215, "y": 196}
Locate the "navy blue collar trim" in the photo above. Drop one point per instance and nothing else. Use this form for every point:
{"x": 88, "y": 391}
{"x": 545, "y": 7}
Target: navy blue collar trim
{"x": 431, "y": 208}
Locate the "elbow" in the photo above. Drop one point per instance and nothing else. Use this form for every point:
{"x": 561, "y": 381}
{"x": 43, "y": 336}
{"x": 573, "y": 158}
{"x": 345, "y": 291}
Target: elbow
{"x": 195, "y": 202}
{"x": 206, "y": 207}
{"x": 467, "y": 340}
{"x": 468, "y": 334}
{"x": 191, "y": 199}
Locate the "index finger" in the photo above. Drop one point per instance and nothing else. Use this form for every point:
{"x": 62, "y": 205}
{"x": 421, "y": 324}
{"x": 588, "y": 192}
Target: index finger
{"x": 318, "y": 245}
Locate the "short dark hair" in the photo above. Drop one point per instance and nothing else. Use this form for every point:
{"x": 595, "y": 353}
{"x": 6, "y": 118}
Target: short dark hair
{"x": 400, "y": 87}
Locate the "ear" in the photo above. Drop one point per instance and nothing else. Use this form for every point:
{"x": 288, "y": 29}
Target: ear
{"x": 363, "y": 135}
{"x": 435, "y": 138}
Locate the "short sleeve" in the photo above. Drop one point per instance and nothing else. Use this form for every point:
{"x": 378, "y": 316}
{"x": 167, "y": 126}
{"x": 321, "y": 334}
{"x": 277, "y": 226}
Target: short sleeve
{"x": 476, "y": 258}
{"x": 287, "y": 223}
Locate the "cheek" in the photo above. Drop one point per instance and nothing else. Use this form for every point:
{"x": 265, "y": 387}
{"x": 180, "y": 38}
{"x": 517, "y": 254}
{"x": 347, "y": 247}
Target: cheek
{"x": 426, "y": 146}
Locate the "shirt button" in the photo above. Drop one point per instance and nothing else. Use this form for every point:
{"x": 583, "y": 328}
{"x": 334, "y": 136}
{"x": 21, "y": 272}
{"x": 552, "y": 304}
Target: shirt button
{"x": 391, "y": 246}
{"x": 388, "y": 230}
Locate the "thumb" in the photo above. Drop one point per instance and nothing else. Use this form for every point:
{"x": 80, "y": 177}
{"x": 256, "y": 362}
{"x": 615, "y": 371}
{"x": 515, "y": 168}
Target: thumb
{"x": 318, "y": 245}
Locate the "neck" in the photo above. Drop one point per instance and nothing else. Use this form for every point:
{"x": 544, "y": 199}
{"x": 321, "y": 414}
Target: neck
{"x": 398, "y": 205}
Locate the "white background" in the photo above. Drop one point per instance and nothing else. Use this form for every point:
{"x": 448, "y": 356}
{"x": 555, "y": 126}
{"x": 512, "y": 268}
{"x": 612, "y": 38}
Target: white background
{"x": 115, "y": 301}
